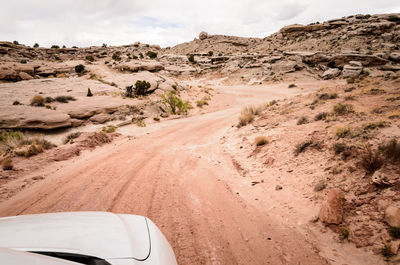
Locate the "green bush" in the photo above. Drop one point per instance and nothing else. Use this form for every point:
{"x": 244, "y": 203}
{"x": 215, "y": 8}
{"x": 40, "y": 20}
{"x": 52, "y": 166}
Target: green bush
{"x": 151, "y": 54}
{"x": 79, "y": 68}
{"x": 174, "y": 104}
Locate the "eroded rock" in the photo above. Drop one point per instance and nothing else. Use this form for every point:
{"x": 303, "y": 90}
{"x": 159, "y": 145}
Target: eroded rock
{"x": 331, "y": 211}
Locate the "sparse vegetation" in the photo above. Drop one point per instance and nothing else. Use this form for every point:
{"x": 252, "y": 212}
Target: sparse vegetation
{"x": 260, "y": 141}
{"x": 139, "y": 121}
{"x": 16, "y": 42}
{"x": 344, "y": 233}
{"x": 321, "y": 116}
{"x": 292, "y": 85}
{"x": 116, "y": 56}
{"x": 344, "y": 131}
{"x": 175, "y": 104}
{"x": 201, "y": 103}
{"x": 343, "y": 109}
{"x": 7, "y": 164}
{"x": 151, "y": 54}
{"x": 210, "y": 53}
{"x": 156, "y": 118}
{"x": 387, "y": 250}
{"x": 79, "y": 68}
{"x": 374, "y": 125}
{"x": 55, "y": 47}
{"x": 109, "y": 129}
{"x": 141, "y": 89}
{"x": 70, "y": 137}
{"x": 89, "y": 58}
{"x": 301, "y": 147}
{"x": 191, "y": 58}
{"x": 371, "y": 159}
{"x": 326, "y": 96}
{"x": 391, "y": 150}
{"x": 37, "y": 101}
{"x": 248, "y": 114}
{"x": 302, "y": 120}
{"x": 320, "y": 186}
{"x": 64, "y": 99}
{"x": 16, "y": 102}
{"x": 89, "y": 93}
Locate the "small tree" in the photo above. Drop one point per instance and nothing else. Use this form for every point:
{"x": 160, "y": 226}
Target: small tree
{"x": 141, "y": 87}
{"x": 89, "y": 93}
{"x": 36, "y": 45}
{"x": 16, "y": 42}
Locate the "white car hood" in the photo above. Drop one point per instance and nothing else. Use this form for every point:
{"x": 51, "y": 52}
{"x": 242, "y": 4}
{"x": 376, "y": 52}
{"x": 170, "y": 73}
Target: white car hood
{"x": 99, "y": 234}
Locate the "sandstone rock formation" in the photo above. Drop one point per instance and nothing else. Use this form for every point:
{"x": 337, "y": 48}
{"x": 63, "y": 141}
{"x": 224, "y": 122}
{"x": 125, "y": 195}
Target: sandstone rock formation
{"x": 392, "y": 215}
{"x": 331, "y": 211}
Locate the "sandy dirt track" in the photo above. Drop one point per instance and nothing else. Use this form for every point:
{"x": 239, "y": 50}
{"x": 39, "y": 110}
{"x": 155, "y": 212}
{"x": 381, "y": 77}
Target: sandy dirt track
{"x": 179, "y": 176}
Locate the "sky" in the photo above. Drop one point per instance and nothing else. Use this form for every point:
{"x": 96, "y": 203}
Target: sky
{"x": 166, "y": 23}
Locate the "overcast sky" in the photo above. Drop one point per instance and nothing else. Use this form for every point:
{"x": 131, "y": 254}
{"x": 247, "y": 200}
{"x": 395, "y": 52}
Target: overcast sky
{"x": 167, "y": 23}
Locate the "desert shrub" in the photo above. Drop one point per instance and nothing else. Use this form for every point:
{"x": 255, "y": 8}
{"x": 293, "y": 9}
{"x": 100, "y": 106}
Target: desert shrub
{"x": 387, "y": 250}
{"x": 343, "y": 109}
{"x": 260, "y": 140}
{"x": 391, "y": 150}
{"x": 320, "y": 186}
{"x": 347, "y": 90}
{"x": 37, "y": 101}
{"x": 16, "y": 102}
{"x": 141, "y": 56}
{"x": 201, "y": 103}
{"x": 325, "y": 96}
{"x": 349, "y": 97}
{"x": 394, "y": 231}
{"x": 47, "y": 106}
{"x": 191, "y": 58}
{"x": 89, "y": 93}
{"x": 174, "y": 104}
{"x": 64, "y": 99}
{"x": 321, "y": 116}
{"x": 57, "y": 58}
{"x": 156, "y": 118}
{"x": 301, "y": 147}
{"x": 339, "y": 148}
{"x": 344, "y": 233}
{"x": 109, "y": 129}
{"x": 210, "y": 53}
{"x": 116, "y": 56}
{"x": 134, "y": 57}
{"x": 36, "y": 45}
{"x": 140, "y": 89}
{"x": 371, "y": 159}
{"x": 104, "y": 45}
{"x": 79, "y": 68}
{"x": 7, "y": 164}
{"x": 302, "y": 120}
{"x": 89, "y": 58}
{"x": 394, "y": 115}
{"x": 151, "y": 54}
{"x": 16, "y": 42}
{"x": 248, "y": 114}
{"x": 219, "y": 54}
{"x": 71, "y": 137}
{"x": 344, "y": 131}
{"x": 49, "y": 99}
{"x": 292, "y": 85}
{"x": 394, "y": 18}
{"x": 23, "y": 61}
{"x": 55, "y": 47}
{"x": 374, "y": 125}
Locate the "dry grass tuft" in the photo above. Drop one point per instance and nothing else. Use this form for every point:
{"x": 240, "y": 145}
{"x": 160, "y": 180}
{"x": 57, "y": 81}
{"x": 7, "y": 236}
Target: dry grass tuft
{"x": 37, "y": 101}
{"x": 343, "y": 109}
{"x": 260, "y": 141}
{"x": 248, "y": 114}
{"x": 371, "y": 159}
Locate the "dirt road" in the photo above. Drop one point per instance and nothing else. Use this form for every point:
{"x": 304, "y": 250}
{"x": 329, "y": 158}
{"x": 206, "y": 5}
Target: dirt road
{"x": 178, "y": 175}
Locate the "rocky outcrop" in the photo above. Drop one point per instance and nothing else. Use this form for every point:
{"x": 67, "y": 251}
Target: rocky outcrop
{"x": 140, "y": 66}
{"x": 331, "y": 73}
{"x": 26, "y": 117}
{"x": 331, "y": 211}
{"x": 203, "y": 35}
{"x": 354, "y": 69}
{"x": 392, "y": 216}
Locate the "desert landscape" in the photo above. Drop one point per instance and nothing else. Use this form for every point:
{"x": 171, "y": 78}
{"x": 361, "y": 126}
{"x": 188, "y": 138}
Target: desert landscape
{"x": 275, "y": 150}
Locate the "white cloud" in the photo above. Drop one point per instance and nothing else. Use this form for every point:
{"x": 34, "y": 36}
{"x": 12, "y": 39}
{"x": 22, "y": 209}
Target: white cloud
{"x": 116, "y": 22}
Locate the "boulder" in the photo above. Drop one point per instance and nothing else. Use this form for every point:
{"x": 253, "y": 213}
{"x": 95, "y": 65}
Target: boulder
{"x": 351, "y": 71}
{"x": 8, "y": 74}
{"x": 24, "y": 76}
{"x": 394, "y": 246}
{"x": 203, "y": 35}
{"x": 331, "y": 211}
{"x": 340, "y": 60}
{"x": 395, "y": 57}
{"x": 27, "y": 117}
{"x": 100, "y": 118}
{"x": 392, "y": 215}
{"x": 331, "y": 73}
{"x": 386, "y": 176}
